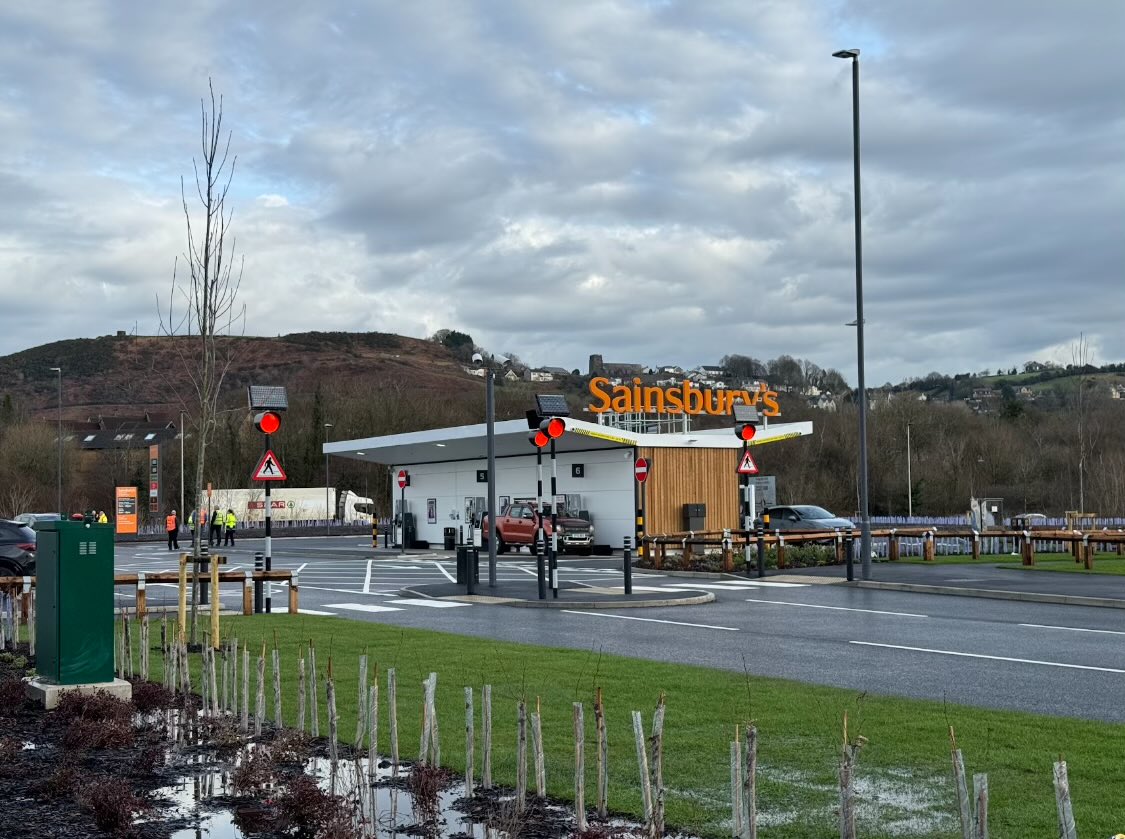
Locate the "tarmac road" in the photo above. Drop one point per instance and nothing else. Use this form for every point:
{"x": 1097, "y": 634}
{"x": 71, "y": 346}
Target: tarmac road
{"x": 1064, "y": 660}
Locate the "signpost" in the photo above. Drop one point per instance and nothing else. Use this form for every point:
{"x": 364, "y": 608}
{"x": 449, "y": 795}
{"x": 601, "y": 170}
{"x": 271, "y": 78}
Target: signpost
{"x": 403, "y": 480}
{"x": 641, "y": 469}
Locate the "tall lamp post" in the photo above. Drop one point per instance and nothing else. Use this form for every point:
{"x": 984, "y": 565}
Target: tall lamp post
{"x": 327, "y": 491}
{"x": 865, "y": 510}
{"x": 909, "y": 483}
{"x": 58, "y": 435}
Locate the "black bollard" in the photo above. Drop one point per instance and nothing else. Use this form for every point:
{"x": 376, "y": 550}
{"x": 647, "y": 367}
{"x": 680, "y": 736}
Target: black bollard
{"x": 259, "y": 565}
{"x": 540, "y": 567}
{"x": 849, "y": 554}
{"x": 760, "y": 532}
{"x": 627, "y": 566}
{"x": 204, "y": 569}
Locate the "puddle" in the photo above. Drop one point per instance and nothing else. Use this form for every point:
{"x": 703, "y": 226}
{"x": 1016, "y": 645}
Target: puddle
{"x": 378, "y": 807}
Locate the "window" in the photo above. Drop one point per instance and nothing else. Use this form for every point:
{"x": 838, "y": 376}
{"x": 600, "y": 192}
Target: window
{"x": 149, "y": 436}
{"x": 89, "y": 438}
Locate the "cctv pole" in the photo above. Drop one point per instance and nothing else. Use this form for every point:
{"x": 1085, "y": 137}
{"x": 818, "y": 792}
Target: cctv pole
{"x": 183, "y": 509}
{"x": 554, "y": 525}
{"x": 490, "y": 419}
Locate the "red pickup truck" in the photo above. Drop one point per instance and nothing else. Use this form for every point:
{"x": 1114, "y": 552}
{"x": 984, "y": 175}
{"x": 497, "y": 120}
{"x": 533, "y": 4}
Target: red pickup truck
{"x": 518, "y": 525}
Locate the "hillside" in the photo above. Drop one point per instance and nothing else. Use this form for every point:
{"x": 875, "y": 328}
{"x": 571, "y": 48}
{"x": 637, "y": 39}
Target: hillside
{"x": 125, "y": 374}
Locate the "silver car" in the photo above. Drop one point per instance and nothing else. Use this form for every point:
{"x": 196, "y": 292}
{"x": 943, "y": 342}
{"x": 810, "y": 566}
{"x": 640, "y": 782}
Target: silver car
{"x": 805, "y": 517}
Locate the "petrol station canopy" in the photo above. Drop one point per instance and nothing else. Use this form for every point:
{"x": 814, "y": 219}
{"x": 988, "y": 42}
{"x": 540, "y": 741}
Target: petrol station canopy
{"x": 468, "y": 442}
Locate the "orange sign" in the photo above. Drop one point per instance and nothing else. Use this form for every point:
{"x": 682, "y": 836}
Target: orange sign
{"x": 126, "y": 503}
{"x": 687, "y": 398}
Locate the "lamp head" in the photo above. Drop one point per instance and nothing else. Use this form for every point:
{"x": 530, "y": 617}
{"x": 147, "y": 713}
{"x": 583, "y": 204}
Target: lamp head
{"x": 846, "y": 54}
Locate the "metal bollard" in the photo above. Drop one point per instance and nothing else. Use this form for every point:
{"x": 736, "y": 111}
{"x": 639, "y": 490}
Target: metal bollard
{"x": 627, "y": 566}
{"x": 204, "y": 573}
{"x": 259, "y": 565}
{"x": 760, "y": 532}
{"x": 849, "y": 553}
{"x": 472, "y": 567}
{"x": 540, "y": 566}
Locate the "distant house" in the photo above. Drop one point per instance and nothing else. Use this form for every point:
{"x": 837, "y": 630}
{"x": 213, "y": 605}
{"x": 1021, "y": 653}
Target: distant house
{"x": 1026, "y": 393}
{"x": 1117, "y": 391}
{"x": 511, "y": 375}
{"x": 712, "y": 372}
{"x": 983, "y": 393}
{"x": 612, "y": 369}
{"x": 556, "y": 371}
{"x": 1034, "y": 367}
{"x": 475, "y": 371}
{"x": 122, "y": 432}
{"x": 540, "y": 375}
{"x": 822, "y": 401}
{"x": 670, "y": 370}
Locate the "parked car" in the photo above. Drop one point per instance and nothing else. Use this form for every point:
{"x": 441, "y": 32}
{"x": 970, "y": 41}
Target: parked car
{"x": 805, "y": 517}
{"x": 32, "y": 519}
{"x": 519, "y": 523}
{"x": 17, "y": 549}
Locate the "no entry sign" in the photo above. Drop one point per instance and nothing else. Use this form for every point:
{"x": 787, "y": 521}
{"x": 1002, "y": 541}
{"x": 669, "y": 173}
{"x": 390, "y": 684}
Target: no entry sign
{"x": 403, "y": 479}
{"x": 640, "y": 469}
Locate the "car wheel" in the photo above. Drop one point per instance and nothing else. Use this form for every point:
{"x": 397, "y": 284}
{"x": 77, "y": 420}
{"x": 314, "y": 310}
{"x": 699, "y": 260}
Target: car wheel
{"x": 501, "y": 545}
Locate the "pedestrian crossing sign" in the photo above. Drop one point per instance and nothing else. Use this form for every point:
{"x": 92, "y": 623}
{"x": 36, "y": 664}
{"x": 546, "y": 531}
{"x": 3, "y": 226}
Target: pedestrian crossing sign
{"x": 269, "y": 468}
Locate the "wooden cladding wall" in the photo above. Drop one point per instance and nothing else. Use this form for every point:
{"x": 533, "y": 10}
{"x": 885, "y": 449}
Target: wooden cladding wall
{"x": 690, "y": 476}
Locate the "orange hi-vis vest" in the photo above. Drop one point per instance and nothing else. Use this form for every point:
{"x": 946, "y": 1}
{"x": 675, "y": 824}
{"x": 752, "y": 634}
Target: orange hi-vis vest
{"x": 170, "y": 522}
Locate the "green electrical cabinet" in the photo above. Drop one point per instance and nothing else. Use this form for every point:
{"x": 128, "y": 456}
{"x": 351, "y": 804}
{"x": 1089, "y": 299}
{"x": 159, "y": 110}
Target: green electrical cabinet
{"x": 74, "y": 602}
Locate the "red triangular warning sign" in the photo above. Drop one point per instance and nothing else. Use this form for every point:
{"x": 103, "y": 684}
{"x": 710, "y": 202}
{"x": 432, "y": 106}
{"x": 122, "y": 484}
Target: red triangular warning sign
{"x": 269, "y": 469}
{"x": 747, "y": 466}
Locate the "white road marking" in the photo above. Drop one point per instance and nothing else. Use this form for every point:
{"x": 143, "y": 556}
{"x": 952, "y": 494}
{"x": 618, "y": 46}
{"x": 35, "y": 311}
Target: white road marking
{"x": 361, "y": 607}
{"x": 367, "y": 578}
{"x": 432, "y": 604}
{"x": 837, "y": 608}
{"x": 773, "y": 584}
{"x": 660, "y": 589}
{"x": 439, "y": 567}
{"x": 1072, "y": 628}
{"x": 343, "y": 590}
{"x": 301, "y": 567}
{"x": 990, "y": 657}
{"x": 316, "y": 612}
{"x": 650, "y": 620}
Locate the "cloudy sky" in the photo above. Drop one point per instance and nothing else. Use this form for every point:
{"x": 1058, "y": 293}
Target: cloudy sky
{"x": 659, "y": 182}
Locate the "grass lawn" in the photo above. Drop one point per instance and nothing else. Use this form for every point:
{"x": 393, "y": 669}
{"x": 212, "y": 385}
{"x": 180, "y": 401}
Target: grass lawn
{"x": 904, "y": 770}
{"x": 1103, "y": 563}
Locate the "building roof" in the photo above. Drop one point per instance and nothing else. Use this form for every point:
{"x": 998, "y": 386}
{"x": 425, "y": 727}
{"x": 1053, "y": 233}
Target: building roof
{"x": 468, "y": 442}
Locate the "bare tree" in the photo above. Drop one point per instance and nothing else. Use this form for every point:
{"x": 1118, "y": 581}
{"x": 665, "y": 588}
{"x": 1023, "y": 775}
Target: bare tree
{"x": 203, "y": 304}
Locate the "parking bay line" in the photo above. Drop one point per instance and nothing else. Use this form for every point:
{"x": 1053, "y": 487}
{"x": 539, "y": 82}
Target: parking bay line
{"x": 432, "y": 604}
{"x": 836, "y": 608}
{"x": 649, "y": 620}
{"x": 451, "y": 578}
{"x": 1072, "y": 628}
{"x": 990, "y": 657}
{"x": 367, "y": 578}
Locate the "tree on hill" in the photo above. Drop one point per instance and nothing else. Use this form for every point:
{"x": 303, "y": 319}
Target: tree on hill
{"x": 203, "y": 303}
{"x": 459, "y": 343}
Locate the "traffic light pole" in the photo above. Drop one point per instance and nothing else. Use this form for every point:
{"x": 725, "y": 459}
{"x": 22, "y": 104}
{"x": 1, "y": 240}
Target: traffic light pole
{"x": 540, "y": 542}
{"x": 554, "y": 565}
{"x": 747, "y": 511}
{"x": 269, "y": 541}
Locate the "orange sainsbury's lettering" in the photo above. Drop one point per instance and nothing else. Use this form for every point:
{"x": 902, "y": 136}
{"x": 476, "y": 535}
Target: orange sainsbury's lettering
{"x": 686, "y": 398}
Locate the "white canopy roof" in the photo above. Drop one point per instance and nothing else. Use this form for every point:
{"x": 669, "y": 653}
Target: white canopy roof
{"x": 467, "y": 442}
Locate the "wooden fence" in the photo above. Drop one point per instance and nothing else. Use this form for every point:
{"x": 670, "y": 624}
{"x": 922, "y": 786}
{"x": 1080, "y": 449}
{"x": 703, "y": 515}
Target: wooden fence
{"x": 1081, "y": 544}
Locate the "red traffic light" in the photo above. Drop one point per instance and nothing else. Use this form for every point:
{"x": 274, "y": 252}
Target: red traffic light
{"x": 745, "y": 431}
{"x": 539, "y": 439}
{"x": 267, "y": 422}
{"x": 553, "y": 427}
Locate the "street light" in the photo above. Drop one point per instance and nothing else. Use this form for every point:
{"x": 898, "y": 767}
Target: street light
{"x": 909, "y": 484}
{"x": 865, "y": 511}
{"x": 58, "y": 434}
{"x": 327, "y": 502}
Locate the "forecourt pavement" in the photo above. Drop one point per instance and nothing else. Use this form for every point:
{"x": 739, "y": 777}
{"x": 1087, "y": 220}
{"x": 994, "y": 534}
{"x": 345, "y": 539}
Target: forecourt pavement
{"x": 1041, "y": 657}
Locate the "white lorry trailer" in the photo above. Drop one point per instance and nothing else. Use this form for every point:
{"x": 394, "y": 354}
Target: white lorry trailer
{"x": 291, "y": 504}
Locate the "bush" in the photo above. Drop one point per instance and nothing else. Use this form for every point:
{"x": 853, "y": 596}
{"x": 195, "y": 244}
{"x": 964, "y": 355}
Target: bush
{"x": 96, "y": 706}
{"x": 11, "y": 696}
{"x": 149, "y": 696}
{"x": 84, "y": 734}
{"x": 113, "y": 804}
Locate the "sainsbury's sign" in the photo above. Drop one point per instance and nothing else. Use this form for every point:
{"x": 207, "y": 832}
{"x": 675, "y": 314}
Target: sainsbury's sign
{"x": 687, "y": 398}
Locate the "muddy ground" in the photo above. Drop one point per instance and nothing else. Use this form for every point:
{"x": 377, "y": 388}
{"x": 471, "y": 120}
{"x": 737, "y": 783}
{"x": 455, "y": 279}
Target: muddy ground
{"x": 100, "y": 767}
